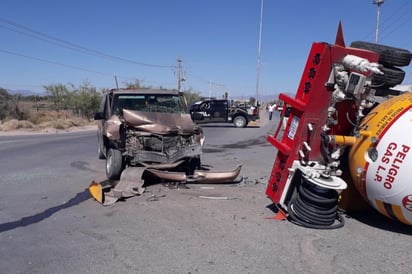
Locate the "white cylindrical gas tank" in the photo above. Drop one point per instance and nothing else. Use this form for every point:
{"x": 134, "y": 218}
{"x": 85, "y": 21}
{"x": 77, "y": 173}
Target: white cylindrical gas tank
{"x": 381, "y": 162}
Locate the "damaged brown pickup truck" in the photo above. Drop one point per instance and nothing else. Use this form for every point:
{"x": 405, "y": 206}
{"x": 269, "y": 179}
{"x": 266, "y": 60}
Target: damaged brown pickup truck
{"x": 148, "y": 133}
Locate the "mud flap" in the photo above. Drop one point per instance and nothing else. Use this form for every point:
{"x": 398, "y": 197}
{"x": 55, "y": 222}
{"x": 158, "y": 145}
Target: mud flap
{"x": 96, "y": 190}
{"x": 130, "y": 184}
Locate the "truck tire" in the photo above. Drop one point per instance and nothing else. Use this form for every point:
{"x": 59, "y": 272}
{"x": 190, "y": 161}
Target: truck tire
{"x": 388, "y": 56}
{"x": 240, "y": 122}
{"x": 114, "y": 164}
{"x": 391, "y": 77}
{"x": 386, "y": 91}
{"x": 100, "y": 149}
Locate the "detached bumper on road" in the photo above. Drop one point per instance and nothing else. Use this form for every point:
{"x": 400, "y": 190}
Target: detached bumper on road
{"x": 131, "y": 182}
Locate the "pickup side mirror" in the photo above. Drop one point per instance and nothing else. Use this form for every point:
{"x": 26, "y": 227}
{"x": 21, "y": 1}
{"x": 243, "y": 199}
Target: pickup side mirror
{"x": 99, "y": 116}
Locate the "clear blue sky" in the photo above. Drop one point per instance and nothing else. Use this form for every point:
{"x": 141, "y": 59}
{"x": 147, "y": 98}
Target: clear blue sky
{"x": 46, "y": 42}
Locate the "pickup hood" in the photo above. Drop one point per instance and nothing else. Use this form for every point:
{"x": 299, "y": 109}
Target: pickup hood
{"x": 154, "y": 123}
{"x": 160, "y": 123}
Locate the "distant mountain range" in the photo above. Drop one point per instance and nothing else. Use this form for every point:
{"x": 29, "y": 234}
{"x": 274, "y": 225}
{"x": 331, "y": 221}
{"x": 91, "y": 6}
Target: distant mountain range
{"x": 24, "y": 92}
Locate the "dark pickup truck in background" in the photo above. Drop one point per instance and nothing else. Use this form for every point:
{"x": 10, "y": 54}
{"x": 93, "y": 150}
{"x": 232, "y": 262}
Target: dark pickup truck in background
{"x": 222, "y": 111}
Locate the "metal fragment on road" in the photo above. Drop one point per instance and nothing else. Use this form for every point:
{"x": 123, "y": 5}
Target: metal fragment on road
{"x": 155, "y": 198}
{"x": 217, "y": 198}
{"x": 130, "y": 184}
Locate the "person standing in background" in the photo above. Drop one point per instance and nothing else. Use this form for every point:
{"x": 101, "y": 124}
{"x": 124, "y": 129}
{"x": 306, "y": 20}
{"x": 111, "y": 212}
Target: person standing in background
{"x": 285, "y": 117}
{"x": 271, "y": 108}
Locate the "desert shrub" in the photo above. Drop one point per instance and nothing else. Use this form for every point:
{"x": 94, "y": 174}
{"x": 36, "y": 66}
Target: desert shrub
{"x": 57, "y": 119}
{"x": 9, "y": 108}
{"x": 83, "y": 100}
{"x": 14, "y": 124}
{"x": 46, "y": 116}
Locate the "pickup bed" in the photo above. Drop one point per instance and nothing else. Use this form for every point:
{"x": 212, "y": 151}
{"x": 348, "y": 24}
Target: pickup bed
{"x": 222, "y": 111}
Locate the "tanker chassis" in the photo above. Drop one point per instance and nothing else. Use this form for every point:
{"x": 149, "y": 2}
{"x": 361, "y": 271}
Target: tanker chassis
{"x": 345, "y": 145}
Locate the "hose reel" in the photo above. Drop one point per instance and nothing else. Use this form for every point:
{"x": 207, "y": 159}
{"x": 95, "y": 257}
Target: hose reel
{"x": 314, "y": 203}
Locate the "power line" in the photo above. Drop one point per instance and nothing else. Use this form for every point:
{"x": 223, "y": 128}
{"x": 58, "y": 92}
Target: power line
{"x": 62, "y": 43}
{"x": 24, "y": 30}
{"x": 68, "y": 66}
{"x": 27, "y": 31}
{"x": 395, "y": 21}
{"x": 50, "y": 62}
{"x": 389, "y": 24}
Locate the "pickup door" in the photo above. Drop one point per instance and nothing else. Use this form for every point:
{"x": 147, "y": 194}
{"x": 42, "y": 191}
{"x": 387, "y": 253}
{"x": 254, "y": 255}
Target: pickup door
{"x": 212, "y": 111}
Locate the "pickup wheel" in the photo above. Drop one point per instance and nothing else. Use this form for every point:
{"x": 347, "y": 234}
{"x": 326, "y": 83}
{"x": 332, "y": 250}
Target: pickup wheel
{"x": 114, "y": 164}
{"x": 240, "y": 121}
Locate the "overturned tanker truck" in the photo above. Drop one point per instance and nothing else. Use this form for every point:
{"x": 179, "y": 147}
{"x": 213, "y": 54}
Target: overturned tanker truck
{"x": 346, "y": 144}
{"x": 146, "y": 136}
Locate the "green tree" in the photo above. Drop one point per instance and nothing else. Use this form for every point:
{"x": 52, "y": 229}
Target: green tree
{"x": 191, "y": 96}
{"x": 83, "y": 100}
{"x": 59, "y": 95}
{"x": 86, "y": 100}
{"x": 104, "y": 91}
{"x": 4, "y": 104}
{"x": 252, "y": 101}
{"x": 9, "y": 107}
{"x": 133, "y": 84}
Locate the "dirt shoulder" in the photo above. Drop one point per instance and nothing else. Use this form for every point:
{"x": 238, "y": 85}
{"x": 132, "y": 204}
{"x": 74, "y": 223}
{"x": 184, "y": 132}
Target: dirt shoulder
{"x": 31, "y": 131}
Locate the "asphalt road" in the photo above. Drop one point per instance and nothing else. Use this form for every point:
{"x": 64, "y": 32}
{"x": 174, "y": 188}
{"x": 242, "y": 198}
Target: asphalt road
{"x": 49, "y": 223}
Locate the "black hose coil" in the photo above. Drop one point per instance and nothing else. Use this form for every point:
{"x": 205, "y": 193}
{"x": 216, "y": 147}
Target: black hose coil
{"x": 313, "y": 206}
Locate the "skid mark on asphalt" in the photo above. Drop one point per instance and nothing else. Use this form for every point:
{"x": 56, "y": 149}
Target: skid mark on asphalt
{"x": 82, "y": 165}
{"x": 211, "y": 150}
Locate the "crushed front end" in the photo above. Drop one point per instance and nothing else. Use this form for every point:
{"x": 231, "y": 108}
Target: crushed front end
{"x": 153, "y": 145}
{"x": 150, "y": 138}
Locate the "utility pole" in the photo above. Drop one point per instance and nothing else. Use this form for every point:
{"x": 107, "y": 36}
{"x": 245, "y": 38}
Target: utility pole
{"x": 180, "y": 78}
{"x": 117, "y": 84}
{"x": 378, "y": 3}
{"x": 210, "y": 89}
{"x": 259, "y": 54}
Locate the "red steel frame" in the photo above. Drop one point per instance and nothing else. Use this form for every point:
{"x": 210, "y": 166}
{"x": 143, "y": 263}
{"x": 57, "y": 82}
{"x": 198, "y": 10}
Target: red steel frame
{"x": 310, "y": 106}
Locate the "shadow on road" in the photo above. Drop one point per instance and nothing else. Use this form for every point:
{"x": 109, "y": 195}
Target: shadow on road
{"x": 375, "y": 219}
{"x": 217, "y": 125}
{"x": 368, "y": 217}
{"x": 227, "y": 125}
{"x": 29, "y": 220}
